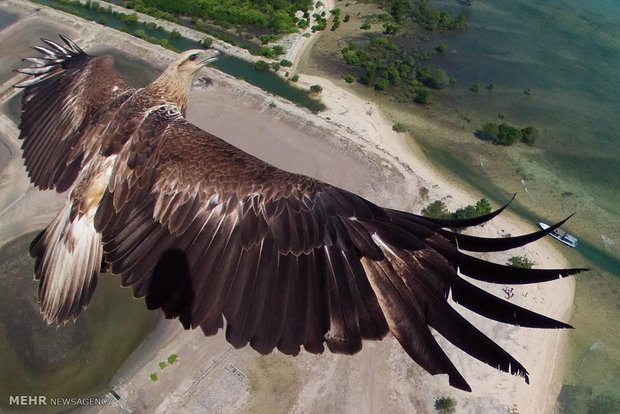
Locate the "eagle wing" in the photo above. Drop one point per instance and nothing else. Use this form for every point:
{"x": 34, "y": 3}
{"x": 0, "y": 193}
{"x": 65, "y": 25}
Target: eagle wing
{"x": 63, "y": 101}
{"x": 209, "y": 233}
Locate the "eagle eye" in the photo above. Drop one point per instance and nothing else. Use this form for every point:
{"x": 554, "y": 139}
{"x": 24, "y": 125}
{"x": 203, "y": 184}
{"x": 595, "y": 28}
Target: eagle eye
{"x": 193, "y": 57}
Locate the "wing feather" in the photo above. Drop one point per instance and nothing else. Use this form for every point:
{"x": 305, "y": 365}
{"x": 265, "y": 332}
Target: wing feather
{"x": 283, "y": 260}
{"x": 66, "y": 89}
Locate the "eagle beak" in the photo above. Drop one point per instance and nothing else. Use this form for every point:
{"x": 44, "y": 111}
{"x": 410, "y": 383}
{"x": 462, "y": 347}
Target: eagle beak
{"x": 209, "y": 55}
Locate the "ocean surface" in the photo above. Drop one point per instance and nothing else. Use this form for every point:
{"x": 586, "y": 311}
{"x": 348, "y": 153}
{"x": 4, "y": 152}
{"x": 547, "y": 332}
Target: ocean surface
{"x": 554, "y": 65}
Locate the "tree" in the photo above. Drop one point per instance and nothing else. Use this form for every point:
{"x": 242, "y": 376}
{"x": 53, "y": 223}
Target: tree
{"x": 421, "y": 96}
{"x": 445, "y": 405}
{"x": 481, "y": 208}
{"x": 316, "y": 88}
{"x": 436, "y": 209}
{"x": 261, "y": 66}
{"x": 399, "y": 127}
{"x": 381, "y": 84}
{"x": 438, "y": 79}
{"x": 529, "y": 135}
{"x": 520, "y": 262}
{"x": 282, "y": 22}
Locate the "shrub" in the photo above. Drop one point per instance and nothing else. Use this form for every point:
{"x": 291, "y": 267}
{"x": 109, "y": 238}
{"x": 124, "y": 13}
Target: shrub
{"x": 207, "y": 41}
{"x": 349, "y": 78}
{"x": 381, "y": 84}
{"x": 261, "y": 66}
{"x": 421, "y": 96}
{"x": 316, "y": 88}
{"x": 399, "y": 127}
{"x": 445, "y": 405}
{"x": 295, "y": 78}
{"x": 481, "y": 208}
{"x": 503, "y": 134}
{"x": 529, "y": 135}
{"x": 436, "y": 209}
{"x": 520, "y": 262}
{"x": 154, "y": 377}
{"x": 286, "y": 63}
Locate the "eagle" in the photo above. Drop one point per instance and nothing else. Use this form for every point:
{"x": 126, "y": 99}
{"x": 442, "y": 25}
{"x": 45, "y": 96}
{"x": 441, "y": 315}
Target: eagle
{"x": 222, "y": 240}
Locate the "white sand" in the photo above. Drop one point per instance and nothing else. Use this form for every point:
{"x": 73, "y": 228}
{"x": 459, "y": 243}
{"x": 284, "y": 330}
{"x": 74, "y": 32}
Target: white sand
{"x": 354, "y": 148}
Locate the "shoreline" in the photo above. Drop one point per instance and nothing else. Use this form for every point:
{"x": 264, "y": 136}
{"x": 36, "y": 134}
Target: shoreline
{"x": 361, "y": 130}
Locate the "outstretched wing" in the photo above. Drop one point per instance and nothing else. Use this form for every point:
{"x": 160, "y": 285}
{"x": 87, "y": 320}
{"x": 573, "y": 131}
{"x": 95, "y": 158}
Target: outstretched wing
{"x": 207, "y": 232}
{"x": 59, "y": 106}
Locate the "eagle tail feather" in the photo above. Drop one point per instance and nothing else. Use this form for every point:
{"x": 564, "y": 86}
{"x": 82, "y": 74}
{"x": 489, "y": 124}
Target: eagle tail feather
{"x": 68, "y": 260}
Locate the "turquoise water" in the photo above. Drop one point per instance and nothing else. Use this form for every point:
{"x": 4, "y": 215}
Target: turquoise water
{"x": 566, "y": 55}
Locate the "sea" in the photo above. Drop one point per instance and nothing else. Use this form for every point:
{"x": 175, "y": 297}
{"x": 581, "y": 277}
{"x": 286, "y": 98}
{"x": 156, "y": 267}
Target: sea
{"x": 554, "y": 65}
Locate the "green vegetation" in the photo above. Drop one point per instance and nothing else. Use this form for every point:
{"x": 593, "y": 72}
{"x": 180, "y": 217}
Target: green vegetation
{"x": 529, "y": 135}
{"x": 154, "y": 377}
{"x": 438, "y": 209}
{"x": 389, "y": 62}
{"x": 421, "y": 13}
{"x": 399, "y": 127}
{"x": 383, "y": 64}
{"x": 286, "y": 63}
{"x": 421, "y": 95}
{"x": 481, "y": 208}
{"x": 520, "y": 262}
{"x": 79, "y": 9}
{"x": 162, "y": 365}
{"x": 261, "y": 66}
{"x": 445, "y": 405}
{"x": 349, "y": 78}
{"x": 505, "y": 134}
{"x": 295, "y": 78}
{"x": 316, "y": 88}
{"x": 276, "y": 16}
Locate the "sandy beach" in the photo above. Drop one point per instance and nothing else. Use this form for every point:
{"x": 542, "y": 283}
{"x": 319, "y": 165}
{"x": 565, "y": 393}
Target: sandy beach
{"x": 351, "y": 144}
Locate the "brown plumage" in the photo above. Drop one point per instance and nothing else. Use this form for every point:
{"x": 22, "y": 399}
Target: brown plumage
{"x": 217, "y": 237}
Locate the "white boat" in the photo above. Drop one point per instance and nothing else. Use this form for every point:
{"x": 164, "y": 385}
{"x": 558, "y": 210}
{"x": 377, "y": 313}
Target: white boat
{"x": 560, "y": 235}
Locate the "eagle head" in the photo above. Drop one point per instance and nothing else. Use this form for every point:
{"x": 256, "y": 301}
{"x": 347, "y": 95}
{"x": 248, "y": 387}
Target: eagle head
{"x": 174, "y": 84}
{"x": 191, "y": 61}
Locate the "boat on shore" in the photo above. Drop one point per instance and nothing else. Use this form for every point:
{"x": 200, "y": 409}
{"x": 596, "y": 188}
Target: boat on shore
{"x": 560, "y": 235}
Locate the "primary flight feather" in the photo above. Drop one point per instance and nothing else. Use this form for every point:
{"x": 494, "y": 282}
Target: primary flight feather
{"x": 219, "y": 238}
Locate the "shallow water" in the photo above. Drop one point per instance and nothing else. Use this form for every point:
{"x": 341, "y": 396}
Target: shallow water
{"x": 73, "y": 360}
{"x": 6, "y": 19}
{"x": 566, "y": 55}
